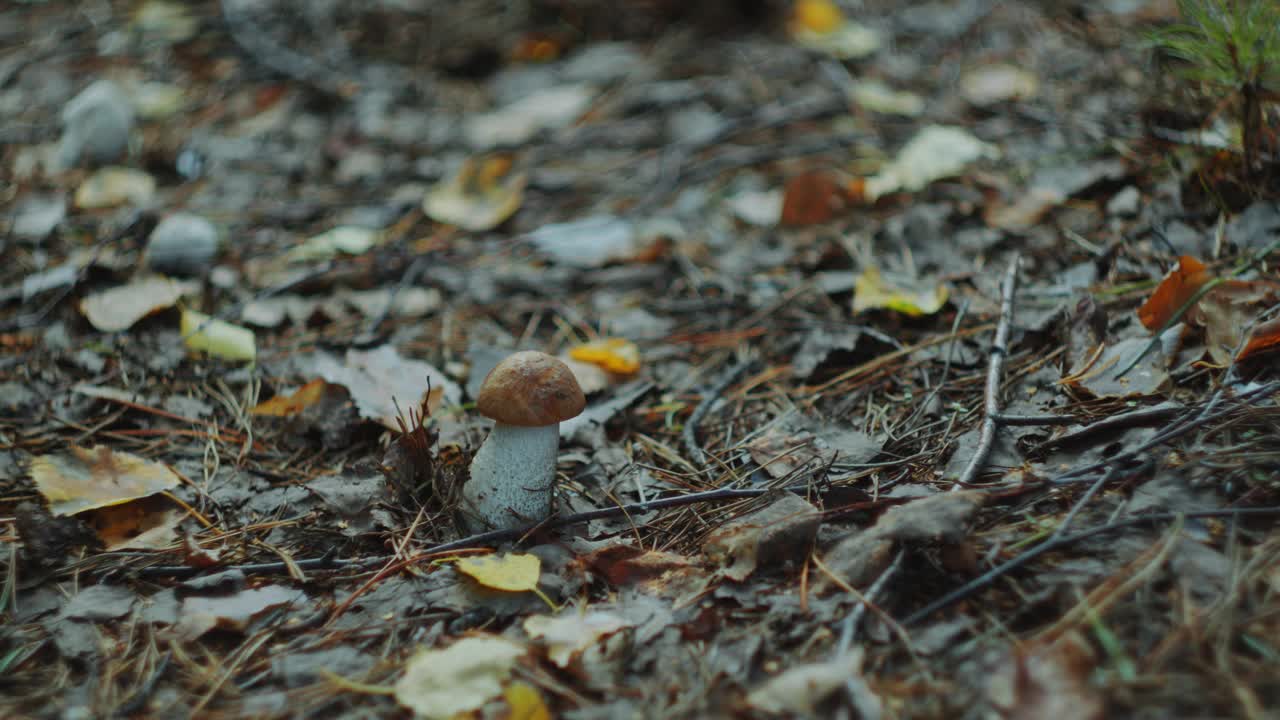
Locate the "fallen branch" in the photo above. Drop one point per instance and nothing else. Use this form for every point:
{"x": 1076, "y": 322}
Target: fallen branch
{"x": 995, "y": 371}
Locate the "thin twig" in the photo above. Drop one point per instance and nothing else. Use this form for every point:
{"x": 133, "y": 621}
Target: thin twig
{"x": 1052, "y": 544}
{"x": 493, "y": 537}
{"x": 709, "y": 398}
{"x": 995, "y": 371}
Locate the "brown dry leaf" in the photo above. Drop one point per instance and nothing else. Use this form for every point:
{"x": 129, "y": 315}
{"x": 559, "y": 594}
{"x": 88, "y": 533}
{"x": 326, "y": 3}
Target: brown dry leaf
{"x": 1177, "y": 287}
{"x": 295, "y": 402}
{"x": 149, "y": 523}
{"x": 812, "y": 198}
{"x": 120, "y": 307}
{"x": 1047, "y": 680}
{"x": 82, "y": 479}
{"x": 1265, "y": 338}
{"x": 1226, "y": 312}
{"x": 480, "y": 196}
{"x": 777, "y": 534}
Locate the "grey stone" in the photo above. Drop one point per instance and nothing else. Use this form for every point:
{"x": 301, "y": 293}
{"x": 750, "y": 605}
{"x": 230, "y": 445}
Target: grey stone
{"x": 96, "y": 125}
{"x": 182, "y": 244}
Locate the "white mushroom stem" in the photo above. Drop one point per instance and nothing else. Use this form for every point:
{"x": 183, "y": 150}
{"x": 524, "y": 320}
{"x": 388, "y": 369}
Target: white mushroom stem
{"x": 512, "y": 477}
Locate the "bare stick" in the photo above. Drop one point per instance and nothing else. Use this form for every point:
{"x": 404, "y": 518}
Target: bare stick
{"x": 688, "y": 435}
{"x": 995, "y": 371}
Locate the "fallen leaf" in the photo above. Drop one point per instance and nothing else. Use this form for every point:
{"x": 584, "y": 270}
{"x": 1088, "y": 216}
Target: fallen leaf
{"x": 812, "y": 198}
{"x": 346, "y": 239}
{"x": 234, "y": 612}
{"x": 759, "y": 208}
{"x": 381, "y": 379}
{"x": 1264, "y": 338}
{"x": 525, "y": 702}
{"x": 936, "y": 152}
{"x": 1177, "y": 287}
{"x": 870, "y": 292}
{"x": 798, "y": 690}
{"x": 511, "y": 573}
{"x": 219, "y": 338}
{"x": 1000, "y": 82}
{"x": 549, "y": 109}
{"x": 148, "y": 523}
{"x": 82, "y": 479}
{"x": 113, "y": 186}
{"x": 293, "y": 403}
{"x": 441, "y": 684}
{"x": 878, "y": 97}
{"x": 587, "y": 243}
{"x": 819, "y": 25}
{"x": 778, "y": 534}
{"x": 1227, "y": 310}
{"x": 120, "y": 307}
{"x": 479, "y": 196}
{"x": 570, "y": 633}
{"x": 617, "y": 355}
{"x": 1047, "y": 680}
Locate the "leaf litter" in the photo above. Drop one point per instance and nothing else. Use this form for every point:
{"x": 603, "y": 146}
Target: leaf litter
{"x": 891, "y": 407}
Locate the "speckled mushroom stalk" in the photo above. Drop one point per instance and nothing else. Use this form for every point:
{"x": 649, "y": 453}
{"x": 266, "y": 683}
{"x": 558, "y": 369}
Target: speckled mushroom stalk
{"x": 513, "y": 474}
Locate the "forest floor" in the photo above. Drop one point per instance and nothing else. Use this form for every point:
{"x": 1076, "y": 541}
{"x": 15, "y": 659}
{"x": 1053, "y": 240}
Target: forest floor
{"x": 927, "y": 353}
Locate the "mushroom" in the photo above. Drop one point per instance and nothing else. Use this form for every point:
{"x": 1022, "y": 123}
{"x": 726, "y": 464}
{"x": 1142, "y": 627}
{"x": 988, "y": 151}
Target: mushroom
{"x": 513, "y": 473}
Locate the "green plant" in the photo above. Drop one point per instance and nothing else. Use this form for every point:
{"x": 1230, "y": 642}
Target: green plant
{"x": 1233, "y": 48}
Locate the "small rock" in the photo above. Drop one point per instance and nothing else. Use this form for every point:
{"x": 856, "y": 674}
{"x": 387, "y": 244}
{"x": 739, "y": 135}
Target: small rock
{"x": 96, "y": 125}
{"x": 1125, "y": 202}
{"x": 182, "y": 244}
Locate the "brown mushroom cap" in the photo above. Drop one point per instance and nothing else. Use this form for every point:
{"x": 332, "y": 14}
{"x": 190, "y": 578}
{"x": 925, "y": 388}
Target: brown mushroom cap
{"x": 530, "y": 388}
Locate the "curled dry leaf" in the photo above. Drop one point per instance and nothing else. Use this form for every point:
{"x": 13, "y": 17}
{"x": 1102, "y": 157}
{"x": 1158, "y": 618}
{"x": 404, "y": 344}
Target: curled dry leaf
{"x": 120, "y": 307}
{"x": 570, "y": 633}
{"x": 1177, "y": 287}
{"x": 293, "y": 403}
{"x": 871, "y": 292}
{"x": 616, "y": 355}
{"x": 479, "y": 196}
{"x": 812, "y": 198}
{"x": 82, "y": 479}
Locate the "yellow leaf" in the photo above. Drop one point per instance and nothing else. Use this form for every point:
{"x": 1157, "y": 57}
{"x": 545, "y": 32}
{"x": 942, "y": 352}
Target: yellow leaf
{"x": 820, "y": 16}
{"x": 480, "y": 196}
{"x": 217, "y": 337}
{"x": 82, "y": 479}
{"x": 870, "y": 292}
{"x": 617, "y": 355}
{"x": 512, "y": 573}
{"x": 526, "y": 702}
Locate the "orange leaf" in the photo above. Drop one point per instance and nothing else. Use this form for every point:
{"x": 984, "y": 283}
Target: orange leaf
{"x": 1265, "y": 337}
{"x": 811, "y": 198}
{"x": 285, "y": 405}
{"x": 617, "y": 355}
{"x": 1173, "y": 292}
